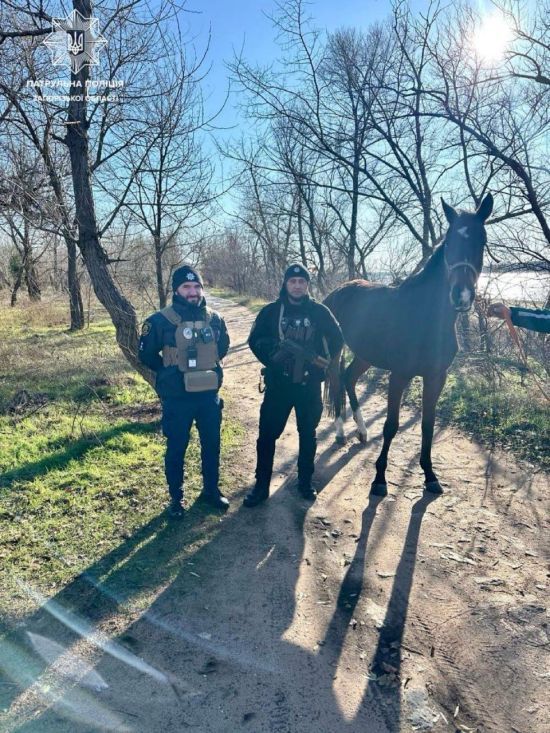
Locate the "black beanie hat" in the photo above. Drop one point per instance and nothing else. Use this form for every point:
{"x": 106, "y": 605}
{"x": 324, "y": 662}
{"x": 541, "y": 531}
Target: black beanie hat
{"x": 296, "y": 270}
{"x": 185, "y": 274}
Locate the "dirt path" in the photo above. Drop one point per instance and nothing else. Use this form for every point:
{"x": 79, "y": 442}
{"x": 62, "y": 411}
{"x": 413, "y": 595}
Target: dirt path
{"x": 351, "y": 614}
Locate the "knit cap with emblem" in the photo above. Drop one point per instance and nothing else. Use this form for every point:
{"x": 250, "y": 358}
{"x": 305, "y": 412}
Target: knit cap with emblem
{"x": 185, "y": 274}
{"x": 296, "y": 270}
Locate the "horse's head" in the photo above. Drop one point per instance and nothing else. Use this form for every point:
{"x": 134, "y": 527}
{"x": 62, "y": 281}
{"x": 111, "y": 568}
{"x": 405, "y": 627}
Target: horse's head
{"x": 464, "y": 244}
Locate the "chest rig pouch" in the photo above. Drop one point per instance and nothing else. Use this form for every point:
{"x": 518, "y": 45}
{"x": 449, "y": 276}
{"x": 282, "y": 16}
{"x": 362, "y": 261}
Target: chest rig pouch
{"x": 297, "y": 336}
{"x": 195, "y": 353}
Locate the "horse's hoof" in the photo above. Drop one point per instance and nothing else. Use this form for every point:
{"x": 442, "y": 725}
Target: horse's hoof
{"x": 379, "y": 489}
{"x": 434, "y": 487}
{"x": 341, "y": 439}
{"x": 362, "y": 437}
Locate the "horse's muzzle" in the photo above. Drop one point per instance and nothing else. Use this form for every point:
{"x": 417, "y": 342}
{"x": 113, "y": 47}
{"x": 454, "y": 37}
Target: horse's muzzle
{"x": 462, "y": 298}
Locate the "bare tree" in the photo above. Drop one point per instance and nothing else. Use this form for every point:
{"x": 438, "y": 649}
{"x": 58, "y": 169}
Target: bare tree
{"x": 501, "y": 123}
{"x": 171, "y": 191}
{"x": 26, "y": 214}
{"x": 92, "y": 129}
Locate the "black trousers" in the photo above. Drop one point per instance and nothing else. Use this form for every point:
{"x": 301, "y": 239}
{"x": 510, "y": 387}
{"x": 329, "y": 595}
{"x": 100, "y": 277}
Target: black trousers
{"x": 279, "y": 400}
{"x": 178, "y": 415}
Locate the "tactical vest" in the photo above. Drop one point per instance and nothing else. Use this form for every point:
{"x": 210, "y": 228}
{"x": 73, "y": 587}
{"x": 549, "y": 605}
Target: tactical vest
{"x": 302, "y": 332}
{"x": 195, "y": 353}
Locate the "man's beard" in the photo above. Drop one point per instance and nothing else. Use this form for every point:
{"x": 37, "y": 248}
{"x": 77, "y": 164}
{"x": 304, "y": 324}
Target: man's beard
{"x": 296, "y": 298}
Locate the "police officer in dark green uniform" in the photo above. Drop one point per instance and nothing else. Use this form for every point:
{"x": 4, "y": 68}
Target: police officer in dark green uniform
{"x": 295, "y": 338}
{"x": 184, "y": 345}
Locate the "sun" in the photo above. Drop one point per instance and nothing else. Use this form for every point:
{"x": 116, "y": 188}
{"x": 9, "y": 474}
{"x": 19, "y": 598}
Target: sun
{"x": 491, "y": 38}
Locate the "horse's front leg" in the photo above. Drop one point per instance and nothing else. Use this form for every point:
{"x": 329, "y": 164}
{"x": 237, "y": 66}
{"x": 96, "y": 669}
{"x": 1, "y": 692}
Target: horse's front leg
{"x": 398, "y": 382}
{"x": 433, "y": 384}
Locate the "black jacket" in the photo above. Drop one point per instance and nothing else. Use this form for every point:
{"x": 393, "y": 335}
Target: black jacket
{"x": 264, "y": 337}
{"x": 534, "y": 320}
{"x": 157, "y": 331}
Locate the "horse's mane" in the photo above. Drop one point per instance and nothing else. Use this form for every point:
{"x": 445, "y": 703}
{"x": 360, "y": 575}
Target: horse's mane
{"x": 430, "y": 268}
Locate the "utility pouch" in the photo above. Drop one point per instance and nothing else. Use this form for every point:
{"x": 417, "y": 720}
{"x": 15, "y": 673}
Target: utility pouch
{"x": 192, "y": 357}
{"x": 202, "y": 381}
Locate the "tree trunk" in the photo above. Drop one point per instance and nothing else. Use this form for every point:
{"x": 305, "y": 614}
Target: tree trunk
{"x": 55, "y": 277}
{"x": 158, "y": 271}
{"x": 16, "y": 286}
{"x": 76, "y": 307}
{"x": 31, "y": 279}
{"x": 463, "y": 327}
{"x": 31, "y": 276}
{"x": 301, "y": 233}
{"x": 120, "y": 309}
{"x": 352, "y": 245}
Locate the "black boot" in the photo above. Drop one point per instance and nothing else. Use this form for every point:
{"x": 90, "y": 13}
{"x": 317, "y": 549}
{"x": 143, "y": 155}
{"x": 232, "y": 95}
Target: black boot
{"x": 175, "y": 509}
{"x": 307, "y": 491}
{"x": 258, "y": 495}
{"x": 215, "y": 499}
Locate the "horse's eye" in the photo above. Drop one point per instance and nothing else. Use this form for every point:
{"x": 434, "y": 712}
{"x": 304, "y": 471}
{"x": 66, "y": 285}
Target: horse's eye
{"x": 463, "y": 231}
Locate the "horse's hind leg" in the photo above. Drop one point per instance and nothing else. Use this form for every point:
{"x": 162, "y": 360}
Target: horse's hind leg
{"x": 398, "y": 382}
{"x": 335, "y": 395}
{"x": 430, "y": 394}
{"x": 353, "y": 372}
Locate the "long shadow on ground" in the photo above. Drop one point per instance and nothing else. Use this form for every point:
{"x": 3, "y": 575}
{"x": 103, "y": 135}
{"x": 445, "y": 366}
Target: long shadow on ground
{"x": 214, "y": 633}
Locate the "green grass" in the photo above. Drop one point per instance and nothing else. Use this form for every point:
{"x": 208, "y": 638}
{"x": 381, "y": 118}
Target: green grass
{"x": 81, "y": 461}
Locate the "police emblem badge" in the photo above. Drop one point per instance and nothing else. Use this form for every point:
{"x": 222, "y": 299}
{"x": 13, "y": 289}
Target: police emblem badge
{"x": 146, "y": 328}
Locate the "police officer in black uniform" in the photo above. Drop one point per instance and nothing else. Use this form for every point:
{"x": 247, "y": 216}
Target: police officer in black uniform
{"x": 184, "y": 344}
{"x": 295, "y": 337}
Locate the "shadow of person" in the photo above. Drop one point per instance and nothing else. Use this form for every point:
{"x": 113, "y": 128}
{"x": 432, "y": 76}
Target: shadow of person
{"x": 387, "y": 658}
{"x": 137, "y": 567}
{"x": 212, "y": 650}
{"x": 352, "y": 585}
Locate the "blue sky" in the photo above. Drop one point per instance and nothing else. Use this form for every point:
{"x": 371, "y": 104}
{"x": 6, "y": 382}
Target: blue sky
{"x": 243, "y": 24}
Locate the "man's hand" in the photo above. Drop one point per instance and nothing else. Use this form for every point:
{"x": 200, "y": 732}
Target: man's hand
{"x": 281, "y": 354}
{"x": 288, "y": 348}
{"x": 498, "y": 310}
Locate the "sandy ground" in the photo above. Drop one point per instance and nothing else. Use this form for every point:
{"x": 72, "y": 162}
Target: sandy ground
{"x": 350, "y": 614}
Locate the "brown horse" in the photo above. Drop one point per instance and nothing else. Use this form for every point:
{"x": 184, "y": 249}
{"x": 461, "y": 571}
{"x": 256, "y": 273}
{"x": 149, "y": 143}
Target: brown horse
{"x": 410, "y": 331}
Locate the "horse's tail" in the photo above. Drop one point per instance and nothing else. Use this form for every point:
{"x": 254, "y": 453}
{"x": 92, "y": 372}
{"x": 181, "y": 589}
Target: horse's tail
{"x": 334, "y": 396}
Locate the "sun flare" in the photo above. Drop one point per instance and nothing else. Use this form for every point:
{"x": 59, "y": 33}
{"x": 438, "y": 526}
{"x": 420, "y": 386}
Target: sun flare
{"x": 492, "y": 37}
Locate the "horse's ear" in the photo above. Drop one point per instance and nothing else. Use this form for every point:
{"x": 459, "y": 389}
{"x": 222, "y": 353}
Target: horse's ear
{"x": 485, "y": 208}
{"x": 450, "y": 213}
